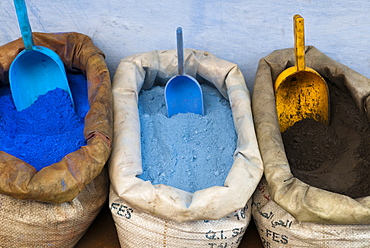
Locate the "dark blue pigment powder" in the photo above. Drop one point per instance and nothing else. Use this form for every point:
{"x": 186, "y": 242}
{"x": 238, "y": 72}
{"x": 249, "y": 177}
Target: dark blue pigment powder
{"x": 187, "y": 151}
{"x": 49, "y": 129}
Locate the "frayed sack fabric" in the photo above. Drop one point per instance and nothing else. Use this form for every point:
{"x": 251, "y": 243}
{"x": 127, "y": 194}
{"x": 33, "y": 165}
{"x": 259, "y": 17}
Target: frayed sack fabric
{"x": 287, "y": 211}
{"x": 148, "y": 215}
{"x": 38, "y": 224}
{"x": 55, "y": 206}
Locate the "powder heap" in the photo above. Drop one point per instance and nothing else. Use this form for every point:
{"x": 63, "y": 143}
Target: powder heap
{"x": 49, "y": 129}
{"x": 335, "y": 157}
{"x": 187, "y": 151}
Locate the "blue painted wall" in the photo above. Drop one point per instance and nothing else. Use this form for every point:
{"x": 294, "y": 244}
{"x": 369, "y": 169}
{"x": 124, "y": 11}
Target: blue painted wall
{"x": 238, "y": 31}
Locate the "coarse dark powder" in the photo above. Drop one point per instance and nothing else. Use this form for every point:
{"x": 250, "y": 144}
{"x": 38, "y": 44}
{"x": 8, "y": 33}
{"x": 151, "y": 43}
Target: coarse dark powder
{"x": 335, "y": 157}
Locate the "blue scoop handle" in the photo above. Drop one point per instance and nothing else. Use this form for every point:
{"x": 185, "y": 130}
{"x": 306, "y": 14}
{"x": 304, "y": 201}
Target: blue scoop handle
{"x": 180, "y": 51}
{"x": 24, "y": 24}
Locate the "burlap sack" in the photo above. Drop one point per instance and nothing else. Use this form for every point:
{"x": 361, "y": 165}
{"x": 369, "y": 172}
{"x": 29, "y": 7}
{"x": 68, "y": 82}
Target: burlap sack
{"x": 287, "y": 194}
{"x": 163, "y": 203}
{"x": 33, "y": 224}
{"x": 63, "y": 181}
{"x": 59, "y": 202}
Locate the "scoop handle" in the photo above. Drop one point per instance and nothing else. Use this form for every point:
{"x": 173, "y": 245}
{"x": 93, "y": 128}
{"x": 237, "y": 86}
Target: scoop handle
{"x": 180, "y": 51}
{"x": 24, "y": 24}
{"x": 299, "y": 46}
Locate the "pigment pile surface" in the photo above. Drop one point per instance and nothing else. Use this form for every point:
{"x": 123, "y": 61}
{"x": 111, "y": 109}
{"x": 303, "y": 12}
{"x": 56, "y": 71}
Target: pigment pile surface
{"x": 49, "y": 129}
{"x": 187, "y": 151}
{"x": 334, "y": 157}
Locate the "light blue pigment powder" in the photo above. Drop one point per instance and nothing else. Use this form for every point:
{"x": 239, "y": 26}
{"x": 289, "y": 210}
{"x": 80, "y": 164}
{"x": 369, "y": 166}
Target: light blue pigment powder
{"x": 49, "y": 129}
{"x": 187, "y": 151}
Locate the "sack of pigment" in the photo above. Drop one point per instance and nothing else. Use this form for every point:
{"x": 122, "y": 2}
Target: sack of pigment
{"x": 161, "y": 208}
{"x": 316, "y": 187}
{"x": 54, "y": 205}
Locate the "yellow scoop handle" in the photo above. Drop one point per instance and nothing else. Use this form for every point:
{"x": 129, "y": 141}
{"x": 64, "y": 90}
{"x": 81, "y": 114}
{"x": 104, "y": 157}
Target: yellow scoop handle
{"x": 299, "y": 43}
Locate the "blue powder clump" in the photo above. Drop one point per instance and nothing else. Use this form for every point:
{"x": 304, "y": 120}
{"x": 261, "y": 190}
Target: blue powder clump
{"x": 49, "y": 129}
{"x": 187, "y": 151}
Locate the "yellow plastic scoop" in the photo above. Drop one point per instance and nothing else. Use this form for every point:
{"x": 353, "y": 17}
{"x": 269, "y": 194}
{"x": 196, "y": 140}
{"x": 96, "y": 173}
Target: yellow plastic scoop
{"x": 300, "y": 91}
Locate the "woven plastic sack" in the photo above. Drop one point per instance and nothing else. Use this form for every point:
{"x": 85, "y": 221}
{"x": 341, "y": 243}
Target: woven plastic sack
{"x": 136, "y": 228}
{"x": 333, "y": 217}
{"x": 149, "y": 215}
{"x": 55, "y": 206}
{"x": 278, "y": 228}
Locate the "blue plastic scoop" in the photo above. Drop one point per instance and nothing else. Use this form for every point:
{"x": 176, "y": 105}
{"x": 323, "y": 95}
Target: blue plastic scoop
{"x": 36, "y": 70}
{"x": 183, "y": 93}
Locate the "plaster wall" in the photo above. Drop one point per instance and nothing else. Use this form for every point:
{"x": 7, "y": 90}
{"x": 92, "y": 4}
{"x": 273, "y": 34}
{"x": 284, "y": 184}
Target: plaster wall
{"x": 240, "y": 31}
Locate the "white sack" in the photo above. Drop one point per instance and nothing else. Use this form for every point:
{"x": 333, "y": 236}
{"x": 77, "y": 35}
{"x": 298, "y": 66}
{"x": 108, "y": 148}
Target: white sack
{"x": 277, "y": 228}
{"x": 143, "y": 71}
{"x": 306, "y": 203}
{"x": 138, "y": 229}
